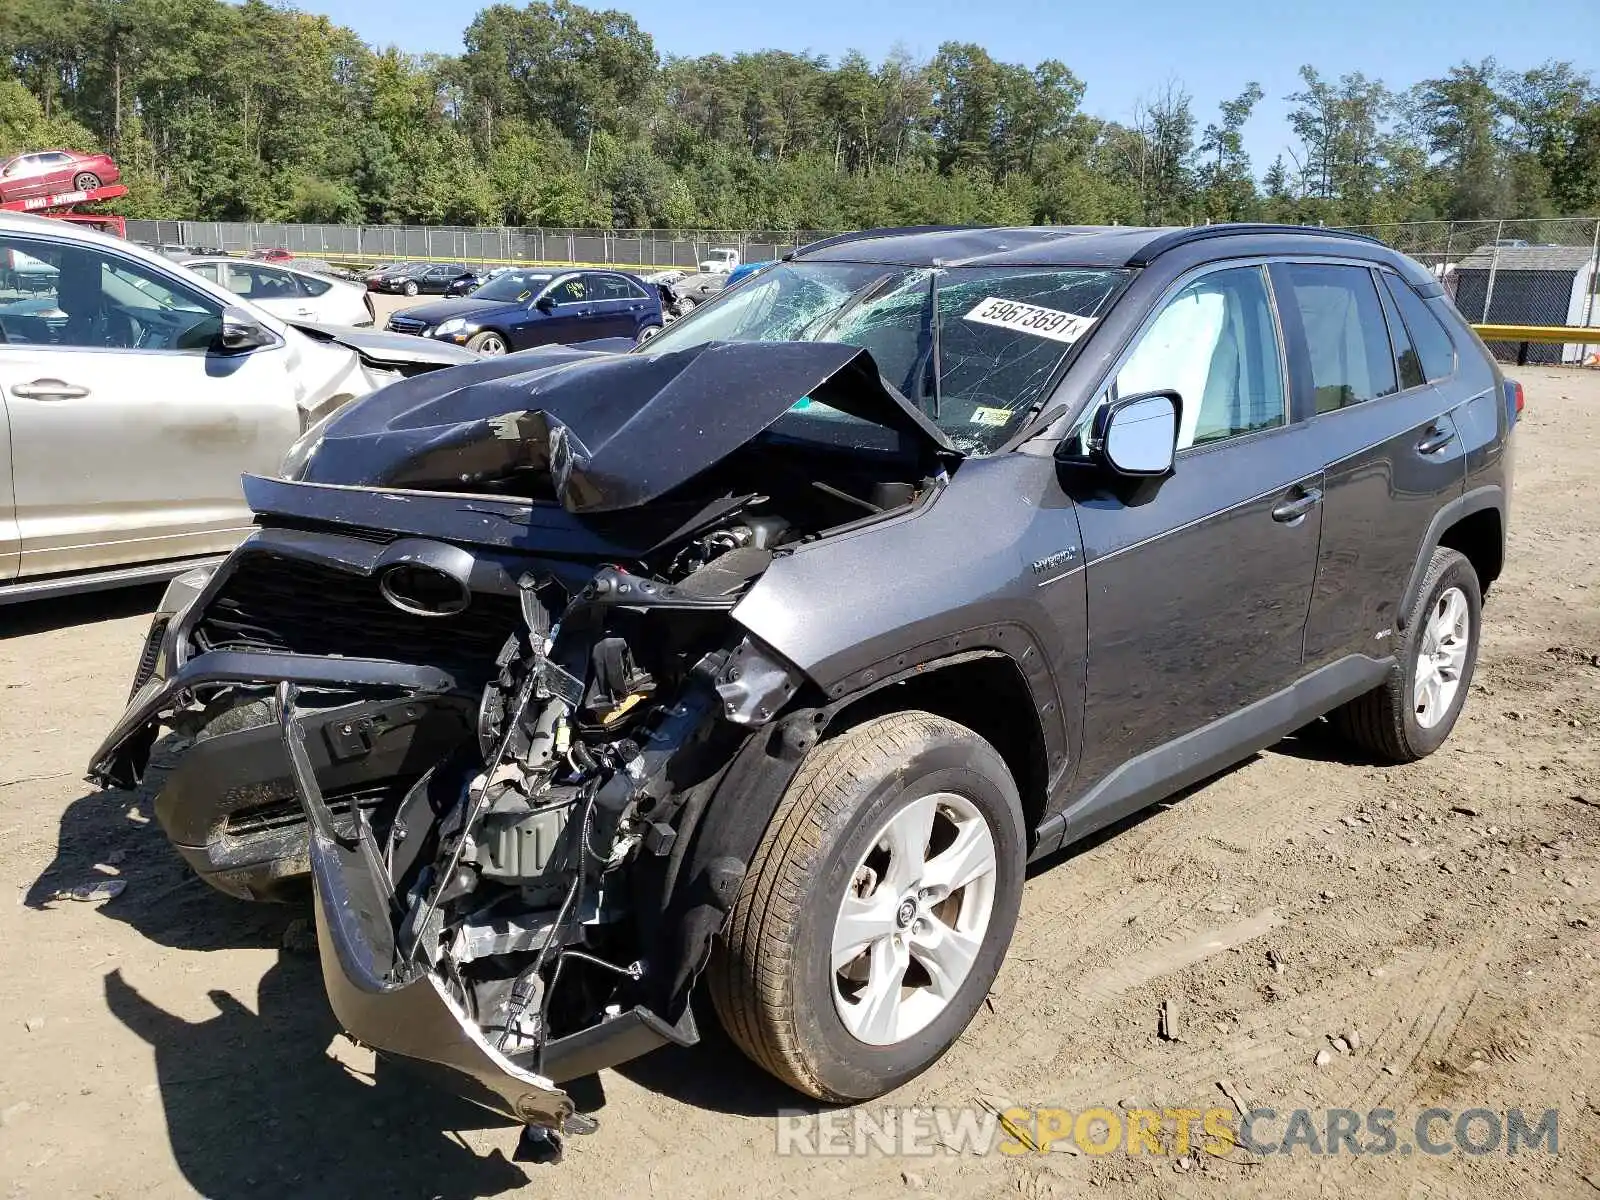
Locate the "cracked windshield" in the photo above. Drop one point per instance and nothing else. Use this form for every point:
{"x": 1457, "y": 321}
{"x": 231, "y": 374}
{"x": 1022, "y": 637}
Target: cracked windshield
{"x": 1001, "y": 331}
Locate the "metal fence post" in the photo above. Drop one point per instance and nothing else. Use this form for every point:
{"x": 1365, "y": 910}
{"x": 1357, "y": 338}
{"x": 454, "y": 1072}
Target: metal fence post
{"x": 1494, "y": 265}
{"x": 1594, "y": 281}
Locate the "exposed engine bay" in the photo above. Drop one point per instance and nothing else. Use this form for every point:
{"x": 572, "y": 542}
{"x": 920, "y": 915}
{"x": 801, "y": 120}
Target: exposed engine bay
{"x": 534, "y": 895}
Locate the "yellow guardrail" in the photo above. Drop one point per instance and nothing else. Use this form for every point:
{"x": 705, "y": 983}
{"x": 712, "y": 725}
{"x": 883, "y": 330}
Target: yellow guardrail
{"x": 1539, "y": 333}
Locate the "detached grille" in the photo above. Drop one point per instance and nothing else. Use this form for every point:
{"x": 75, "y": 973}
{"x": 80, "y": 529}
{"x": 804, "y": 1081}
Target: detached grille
{"x": 291, "y": 606}
{"x": 281, "y": 814}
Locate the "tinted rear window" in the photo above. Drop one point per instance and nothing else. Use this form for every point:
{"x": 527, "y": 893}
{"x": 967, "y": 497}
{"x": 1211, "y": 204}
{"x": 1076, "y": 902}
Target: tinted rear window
{"x": 1433, "y": 345}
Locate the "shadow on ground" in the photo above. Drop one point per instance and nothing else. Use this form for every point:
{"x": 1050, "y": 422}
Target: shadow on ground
{"x": 254, "y": 1104}
{"x": 42, "y": 616}
{"x": 256, "y": 1107}
{"x": 715, "y": 1075}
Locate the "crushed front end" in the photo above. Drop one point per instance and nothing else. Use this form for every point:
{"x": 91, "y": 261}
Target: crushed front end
{"x": 482, "y": 677}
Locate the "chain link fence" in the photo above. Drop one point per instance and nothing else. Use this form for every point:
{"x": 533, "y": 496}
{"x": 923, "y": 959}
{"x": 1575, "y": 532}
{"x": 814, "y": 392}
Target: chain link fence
{"x": 630, "y": 249}
{"x": 1503, "y": 272}
{"x": 1512, "y": 272}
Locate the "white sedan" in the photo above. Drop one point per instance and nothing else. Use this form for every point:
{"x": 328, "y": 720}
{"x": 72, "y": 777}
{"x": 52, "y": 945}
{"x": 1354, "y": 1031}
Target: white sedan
{"x": 134, "y": 393}
{"x": 288, "y": 292}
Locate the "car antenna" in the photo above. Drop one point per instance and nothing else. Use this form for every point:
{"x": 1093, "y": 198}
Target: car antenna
{"x": 933, "y": 298}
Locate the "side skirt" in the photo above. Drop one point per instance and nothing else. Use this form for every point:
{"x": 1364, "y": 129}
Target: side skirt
{"x": 1156, "y": 774}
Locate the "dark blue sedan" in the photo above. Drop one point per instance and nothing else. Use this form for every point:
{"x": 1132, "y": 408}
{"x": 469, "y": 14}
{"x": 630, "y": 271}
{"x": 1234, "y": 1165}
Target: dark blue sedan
{"x": 537, "y": 307}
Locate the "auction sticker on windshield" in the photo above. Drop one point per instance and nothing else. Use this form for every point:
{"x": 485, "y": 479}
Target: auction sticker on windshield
{"x": 1049, "y": 323}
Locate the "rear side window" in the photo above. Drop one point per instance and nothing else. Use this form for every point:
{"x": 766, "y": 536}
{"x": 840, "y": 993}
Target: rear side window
{"x": 1434, "y": 348}
{"x": 609, "y": 287}
{"x": 1346, "y": 337}
{"x": 310, "y": 286}
{"x": 1405, "y": 354}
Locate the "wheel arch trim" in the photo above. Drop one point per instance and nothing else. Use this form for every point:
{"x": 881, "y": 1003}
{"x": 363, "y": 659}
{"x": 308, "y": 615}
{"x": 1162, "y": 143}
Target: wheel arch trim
{"x": 1480, "y": 499}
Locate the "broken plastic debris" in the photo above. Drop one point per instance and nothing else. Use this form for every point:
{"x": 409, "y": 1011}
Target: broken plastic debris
{"x": 93, "y": 893}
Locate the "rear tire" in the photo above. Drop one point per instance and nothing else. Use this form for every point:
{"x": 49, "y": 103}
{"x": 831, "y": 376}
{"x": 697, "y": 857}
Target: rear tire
{"x": 842, "y": 920}
{"x": 1412, "y": 712}
{"x": 85, "y": 181}
{"x": 487, "y": 343}
{"x": 648, "y": 332}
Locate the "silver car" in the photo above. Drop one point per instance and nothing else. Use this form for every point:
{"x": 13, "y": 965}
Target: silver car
{"x": 133, "y": 396}
{"x": 288, "y": 290}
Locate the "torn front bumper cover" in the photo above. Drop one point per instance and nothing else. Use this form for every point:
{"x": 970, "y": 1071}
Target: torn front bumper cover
{"x": 394, "y": 1006}
{"x": 402, "y": 1009}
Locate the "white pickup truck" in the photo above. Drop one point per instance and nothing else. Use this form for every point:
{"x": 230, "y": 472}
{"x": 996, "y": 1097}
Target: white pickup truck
{"x": 720, "y": 262}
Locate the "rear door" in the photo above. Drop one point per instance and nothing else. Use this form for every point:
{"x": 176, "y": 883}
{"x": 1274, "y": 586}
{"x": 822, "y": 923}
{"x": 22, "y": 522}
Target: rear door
{"x": 1393, "y": 453}
{"x": 128, "y": 435}
{"x": 1198, "y": 583}
{"x": 616, "y": 308}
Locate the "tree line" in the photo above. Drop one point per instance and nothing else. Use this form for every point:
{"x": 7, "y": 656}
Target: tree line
{"x": 560, "y": 115}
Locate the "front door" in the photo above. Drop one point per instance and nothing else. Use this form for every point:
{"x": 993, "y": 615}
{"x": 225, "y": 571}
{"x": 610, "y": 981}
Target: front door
{"x": 568, "y": 315}
{"x": 128, "y": 434}
{"x": 1198, "y": 584}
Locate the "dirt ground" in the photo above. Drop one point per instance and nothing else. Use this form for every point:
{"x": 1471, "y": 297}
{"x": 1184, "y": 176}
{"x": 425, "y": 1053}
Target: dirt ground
{"x": 163, "y": 1043}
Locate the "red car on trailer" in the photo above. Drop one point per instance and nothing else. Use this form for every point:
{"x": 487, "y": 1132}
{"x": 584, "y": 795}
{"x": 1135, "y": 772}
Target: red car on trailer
{"x": 46, "y": 172}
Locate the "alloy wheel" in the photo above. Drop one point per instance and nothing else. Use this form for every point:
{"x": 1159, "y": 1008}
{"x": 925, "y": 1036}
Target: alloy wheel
{"x": 1443, "y": 655}
{"x": 913, "y": 918}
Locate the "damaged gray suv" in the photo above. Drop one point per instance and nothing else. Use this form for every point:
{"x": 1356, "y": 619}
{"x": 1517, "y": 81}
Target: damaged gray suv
{"x": 771, "y": 651}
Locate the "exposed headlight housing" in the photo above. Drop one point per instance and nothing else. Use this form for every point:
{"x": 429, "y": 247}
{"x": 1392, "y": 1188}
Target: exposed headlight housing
{"x": 453, "y": 325}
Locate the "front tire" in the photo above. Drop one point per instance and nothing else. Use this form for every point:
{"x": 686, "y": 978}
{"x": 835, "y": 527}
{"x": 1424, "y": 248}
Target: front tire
{"x": 410, "y": 287}
{"x": 876, "y": 910}
{"x": 488, "y": 343}
{"x": 1412, "y": 712}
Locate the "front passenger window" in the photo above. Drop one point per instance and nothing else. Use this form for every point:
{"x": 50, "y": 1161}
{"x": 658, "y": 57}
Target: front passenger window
{"x": 1216, "y": 345}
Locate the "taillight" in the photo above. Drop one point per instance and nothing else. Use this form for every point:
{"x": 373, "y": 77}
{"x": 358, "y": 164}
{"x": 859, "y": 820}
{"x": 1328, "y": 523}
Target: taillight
{"x": 1514, "y": 401}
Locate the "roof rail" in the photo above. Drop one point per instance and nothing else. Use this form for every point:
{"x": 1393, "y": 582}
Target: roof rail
{"x": 840, "y": 239}
{"x": 1156, "y": 247}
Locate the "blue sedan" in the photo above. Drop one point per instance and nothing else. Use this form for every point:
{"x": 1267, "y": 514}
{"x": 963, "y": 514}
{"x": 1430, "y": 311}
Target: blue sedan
{"x": 528, "y": 307}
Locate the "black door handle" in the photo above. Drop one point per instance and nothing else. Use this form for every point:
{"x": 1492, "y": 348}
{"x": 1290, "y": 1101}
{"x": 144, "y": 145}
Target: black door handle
{"x": 1435, "y": 440}
{"x": 1299, "y": 506}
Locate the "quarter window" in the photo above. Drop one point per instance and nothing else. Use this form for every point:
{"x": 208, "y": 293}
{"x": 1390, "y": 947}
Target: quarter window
{"x": 1216, "y": 345}
{"x": 1405, "y": 354}
{"x": 1434, "y": 348}
{"x": 1346, "y": 338}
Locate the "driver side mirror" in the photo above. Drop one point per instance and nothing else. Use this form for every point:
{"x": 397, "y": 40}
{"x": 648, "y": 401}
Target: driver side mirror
{"x": 1138, "y": 435}
{"x": 241, "y": 332}
{"x": 545, "y": 303}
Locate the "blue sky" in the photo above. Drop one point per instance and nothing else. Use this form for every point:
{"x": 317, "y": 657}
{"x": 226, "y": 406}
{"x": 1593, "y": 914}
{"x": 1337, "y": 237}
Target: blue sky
{"x": 1122, "y": 52}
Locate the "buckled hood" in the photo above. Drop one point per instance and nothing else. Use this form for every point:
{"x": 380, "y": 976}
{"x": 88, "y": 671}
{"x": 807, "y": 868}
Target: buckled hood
{"x": 612, "y": 431}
